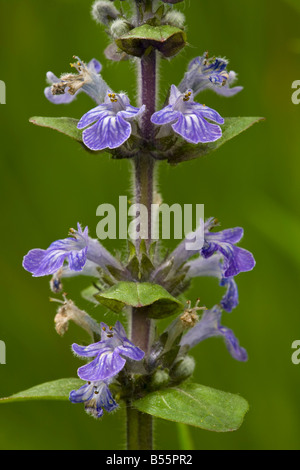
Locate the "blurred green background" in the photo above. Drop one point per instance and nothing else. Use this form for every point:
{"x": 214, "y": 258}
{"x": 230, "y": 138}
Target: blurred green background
{"x": 48, "y": 183}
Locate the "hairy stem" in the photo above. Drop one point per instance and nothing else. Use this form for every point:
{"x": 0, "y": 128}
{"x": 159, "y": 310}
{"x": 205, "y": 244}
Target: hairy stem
{"x": 139, "y": 425}
{"x": 148, "y": 77}
{"x": 144, "y": 187}
{"x": 139, "y": 430}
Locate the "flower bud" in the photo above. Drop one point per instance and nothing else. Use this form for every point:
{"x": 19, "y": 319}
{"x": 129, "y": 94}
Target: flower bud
{"x": 119, "y": 27}
{"x": 104, "y": 12}
{"x": 174, "y": 18}
{"x": 183, "y": 368}
{"x": 159, "y": 379}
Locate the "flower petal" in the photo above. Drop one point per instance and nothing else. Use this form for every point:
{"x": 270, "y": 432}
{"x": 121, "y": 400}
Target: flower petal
{"x": 119, "y": 328}
{"x": 131, "y": 112}
{"x": 231, "y": 298}
{"x": 94, "y": 66}
{"x": 105, "y": 398}
{"x": 77, "y": 259}
{"x": 236, "y": 259}
{"x": 209, "y": 113}
{"x": 228, "y": 92}
{"x": 195, "y": 129}
{"x": 109, "y": 132}
{"x": 232, "y": 344}
{"x": 84, "y": 393}
{"x": 165, "y": 116}
{"x": 94, "y": 115}
{"x": 65, "y": 98}
{"x": 231, "y": 235}
{"x": 104, "y": 366}
{"x": 128, "y": 349}
{"x": 202, "y": 267}
{"x": 209, "y": 326}
{"x": 91, "y": 350}
{"x": 43, "y": 262}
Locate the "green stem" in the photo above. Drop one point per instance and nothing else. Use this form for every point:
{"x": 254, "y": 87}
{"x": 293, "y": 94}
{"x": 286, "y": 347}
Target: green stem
{"x": 139, "y": 430}
{"x": 140, "y": 425}
{"x": 144, "y": 166}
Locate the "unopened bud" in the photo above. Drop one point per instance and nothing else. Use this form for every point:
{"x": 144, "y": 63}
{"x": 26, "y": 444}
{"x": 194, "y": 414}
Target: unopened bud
{"x": 119, "y": 27}
{"x": 174, "y": 18}
{"x": 159, "y": 379}
{"x": 183, "y": 368}
{"x": 104, "y": 12}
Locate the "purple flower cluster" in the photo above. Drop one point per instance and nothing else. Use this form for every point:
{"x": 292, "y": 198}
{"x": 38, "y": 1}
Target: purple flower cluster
{"x": 85, "y": 255}
{"x": 110, "y": 124}
{"x": 110, "y": 357}
{"x": 219, "y": 257}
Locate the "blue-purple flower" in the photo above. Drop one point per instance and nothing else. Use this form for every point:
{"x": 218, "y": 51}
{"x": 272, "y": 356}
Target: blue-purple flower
{"x": 235, "y": 259}
{"x": 212, "y": 267}
{"x": 64, "y": 90}
{"x": 109, "y": 353}
{"x": 110, "y": 121}
{"x": 76, "y": 250}
{"x": 210, "y": 326}
{"x": 230, "y": 299}
{"x": 209, "y": 73}
{"x": 218, "y": 257}
{"x": 95, "y": 396}
{"x": 188, "y": 118}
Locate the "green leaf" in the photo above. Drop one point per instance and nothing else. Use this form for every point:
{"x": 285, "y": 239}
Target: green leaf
{"x": 146, "y": 266}
{"x": 196, "y": 405}
{"x": 185, "y": 151}
{"x": 134, "y": 267}
{"x": 65, "y": 125}
{"x": 154, "y": 299}
{"x": 55, "y": 390}
{"x": 169, "y": 40}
